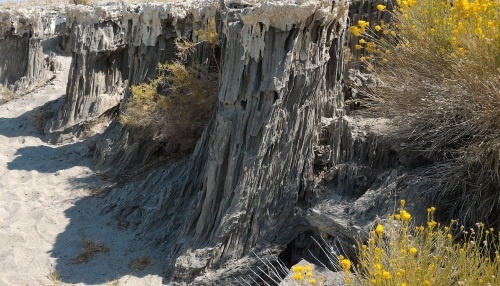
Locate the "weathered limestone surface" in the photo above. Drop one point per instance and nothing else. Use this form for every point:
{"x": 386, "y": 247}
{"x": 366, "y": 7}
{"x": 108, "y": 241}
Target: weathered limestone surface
{"x": 248, "y": 182}
{"x": 23, "y": 64}
{"x": 114, "y": 46}
{"x": 279, "y": 160}
{"x": 258, "y": 165}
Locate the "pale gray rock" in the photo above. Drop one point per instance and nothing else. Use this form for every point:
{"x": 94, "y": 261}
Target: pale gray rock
{"x": 23, "y": 63}
{"x": 246, "y": 183}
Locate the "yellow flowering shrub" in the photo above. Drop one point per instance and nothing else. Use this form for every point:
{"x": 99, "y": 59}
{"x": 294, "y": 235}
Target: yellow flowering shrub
{"x": 303, "y": 275}
{"x": 439, "y": 62}
{"x": 401, "y": 253}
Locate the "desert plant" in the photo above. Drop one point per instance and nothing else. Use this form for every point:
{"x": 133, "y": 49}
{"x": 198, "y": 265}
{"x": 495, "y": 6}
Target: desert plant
{"x": 175, "y": 106}
{"x": 140, "y": 263}
{"x": 178, "y": 117}
{"x": 440, "y": 62}
{"x": 89, "y": 249}
{"x": 397, "y": 252}
{"x": 400, "y": 253}
{"x": 208, "y": 33}
{"x": 54, "y": 277}
{"x": 41, "y": 116}
{"x": 6, "y": 95}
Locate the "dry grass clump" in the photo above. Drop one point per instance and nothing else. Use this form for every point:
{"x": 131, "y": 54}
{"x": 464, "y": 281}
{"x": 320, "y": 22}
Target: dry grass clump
{"x": 179, "y": 117}
{"x": 54, "y": 277}
{"x": 6, "y": 95}
{"x": 400, "y": 253}
{"x": 440, "y": 62}
{"x": 175, "y": 106}
{"x": 141, "y": 263}
{"x": 208, "y": 33}
{"x": 41, "y": 116}
{"x": 81, "y": 2}
{"x": 90, "y": 248}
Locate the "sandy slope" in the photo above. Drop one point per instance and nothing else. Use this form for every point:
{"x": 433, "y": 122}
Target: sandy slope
{"x": 45, "y": 207}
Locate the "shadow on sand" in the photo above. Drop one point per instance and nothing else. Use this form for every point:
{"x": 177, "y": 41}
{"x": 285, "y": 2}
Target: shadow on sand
{"x": 88, "y": 223}
{"x": 43, "y": 158}
{"x": 27, "y": 123}
{"x": 46, "y": 159}
{"x": 86, "y": 219}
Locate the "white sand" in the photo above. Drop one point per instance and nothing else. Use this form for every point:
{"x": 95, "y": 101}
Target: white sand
{"x": 46, "y": 209}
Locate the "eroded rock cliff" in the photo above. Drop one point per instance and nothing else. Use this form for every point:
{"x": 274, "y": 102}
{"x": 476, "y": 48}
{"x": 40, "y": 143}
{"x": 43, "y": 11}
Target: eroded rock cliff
{"x": 247, "y": 184}
{"x": 279, "y": 161}
{"x": 24, "y": 65}
{"x": 113, "y": 47}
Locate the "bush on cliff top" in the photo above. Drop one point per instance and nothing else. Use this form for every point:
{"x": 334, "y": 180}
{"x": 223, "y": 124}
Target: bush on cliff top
{"x": 440, "y": 62}
{"x": 175, "y": 106}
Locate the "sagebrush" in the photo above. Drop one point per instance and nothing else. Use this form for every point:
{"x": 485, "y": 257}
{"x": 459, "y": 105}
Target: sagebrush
{"x": 440, "y": 64}
{"x": 176, "y": 105}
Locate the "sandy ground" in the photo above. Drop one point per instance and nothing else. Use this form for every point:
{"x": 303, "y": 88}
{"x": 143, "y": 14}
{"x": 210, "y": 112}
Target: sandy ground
{"x": 46, "y": 210}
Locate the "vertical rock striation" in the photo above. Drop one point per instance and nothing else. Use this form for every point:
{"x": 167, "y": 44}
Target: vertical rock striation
{"x": 115, "y": 46}
{"x": 247, "y": 183}
{"x": 23, "y": 64}
{"x": 281, "y": 74}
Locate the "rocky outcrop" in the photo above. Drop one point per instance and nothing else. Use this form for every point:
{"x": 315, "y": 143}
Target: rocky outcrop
{"x": 247, "y": 184}
{"x": 24, "y": 65}
{"x": 114, "y": 46}
{"x": 279, "y": 161}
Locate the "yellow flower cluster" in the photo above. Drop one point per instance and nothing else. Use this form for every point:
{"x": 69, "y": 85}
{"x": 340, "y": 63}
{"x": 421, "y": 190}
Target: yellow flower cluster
{"x": 303, "y": 275}
{"x": 345, "y": 263}
{"x": 368, "y": 44}
{"x": 456, "y": 29}
{"x": 360, "y": 28}
{"x": 403, "y": 215}
{"x": 410, "y": 256}
{"x": 379, "y": 229}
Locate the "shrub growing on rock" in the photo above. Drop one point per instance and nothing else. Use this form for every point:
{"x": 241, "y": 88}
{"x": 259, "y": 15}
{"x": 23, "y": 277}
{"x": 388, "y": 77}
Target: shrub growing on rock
{"x": 176, "y": 105}
{"x": 440, "y": 64}
{"x": 400, "y": 253}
